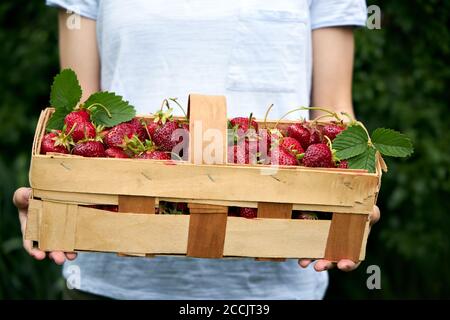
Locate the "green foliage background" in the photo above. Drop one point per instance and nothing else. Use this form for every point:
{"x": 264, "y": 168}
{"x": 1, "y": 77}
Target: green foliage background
{"x": 401, "y": 81}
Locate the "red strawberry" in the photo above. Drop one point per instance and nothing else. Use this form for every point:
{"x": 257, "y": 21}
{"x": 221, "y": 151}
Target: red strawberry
{"x": 331, "y": 130}
{"x": 315, "y": 137}
{"x": 163, "y": 136}
{"x": 244, "y": 123}
{"x": 152, "y": 127}
{"x": 116, "y": 152}
{"x": 154, "y": 155}
{"x": 300, "y": 133}
{"x": 343, "y": 164}
{"x": 282, "y": 157}
{"x": 238, "y": 154}
{"x": 291, "y": 145}
{"x": 81, "y": 130}
{"x": 318, "y": 155}
{"x": 54, "y": 141}
{"x": 89, "y": 148}
{"x": 138, "y": 129}
{"x": 81, "y": 115}
{"x": 248, "y": 213}
{"x": 307, "y": 216}
{"x": 115, "y": 136}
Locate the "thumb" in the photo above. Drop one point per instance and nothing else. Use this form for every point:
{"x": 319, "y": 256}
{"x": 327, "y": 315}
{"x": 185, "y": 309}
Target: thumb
{"x": 21, "y": 196}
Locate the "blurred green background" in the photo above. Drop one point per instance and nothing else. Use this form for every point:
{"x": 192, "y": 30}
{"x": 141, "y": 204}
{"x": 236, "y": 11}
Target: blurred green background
{"x": 401, "y": 81}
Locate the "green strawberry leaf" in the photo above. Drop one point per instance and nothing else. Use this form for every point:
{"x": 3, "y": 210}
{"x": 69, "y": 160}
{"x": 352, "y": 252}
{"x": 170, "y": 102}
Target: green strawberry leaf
{"x": 392, "y": 143}
{"x": 350, "y": 142}
{"x": 109, "y": 109}
{"x": 56, "y": 122}
{"x": 65, "y": 91}
{"x": 365, "y": 160}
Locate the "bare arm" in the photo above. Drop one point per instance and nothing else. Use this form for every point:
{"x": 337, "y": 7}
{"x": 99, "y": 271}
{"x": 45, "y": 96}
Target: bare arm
{"x": 78, "y": 50}
{"x": 333, "y": 50}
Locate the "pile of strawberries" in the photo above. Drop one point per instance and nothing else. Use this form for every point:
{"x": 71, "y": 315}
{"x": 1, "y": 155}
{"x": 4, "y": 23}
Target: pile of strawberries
{"x": 300, "y": 144}
{"x": 133, "y": 139}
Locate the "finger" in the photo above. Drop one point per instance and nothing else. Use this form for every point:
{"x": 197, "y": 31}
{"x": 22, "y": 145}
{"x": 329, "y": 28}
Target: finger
{"x": 347, "y": 265}
{"x": 21, "y": 196}
{"x": 304, "y": 263}
{"x": 34, "y": 252}
{"x": 322, "y": 265}
{"x": 71, "y": 255}
{"x": 58, "y": 257}
{"x": 375, "y": 215}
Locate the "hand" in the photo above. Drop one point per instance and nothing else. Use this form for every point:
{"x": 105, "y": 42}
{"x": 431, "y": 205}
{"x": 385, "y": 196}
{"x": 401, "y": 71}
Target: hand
{"x": 20, "y": 200}
{"x": 344, "y": 264}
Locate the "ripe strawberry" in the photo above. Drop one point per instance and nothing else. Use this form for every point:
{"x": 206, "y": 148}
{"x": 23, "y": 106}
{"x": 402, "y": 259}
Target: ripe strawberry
{"x": 316, "y": 137}
{"x": 163, "y": 135}
{"x": 282, "y": 157}
{"x": 81, "y": 130}
{"x": 154, "y": 155}
{"x": 115, "y": 136}
{"x": 291, "y": 145}
{"x": 116, "y": 152}
{"x": 248, "y": 213}
{"x": 81, "y": 115}
{"x": 151, "y": 128}
{"x": 238, "y": 154}
{"x": 331, "y": 130}
{"x": 138, "y": 129}
{"x": 244, "y": 123}
{"x": 89, "y": 148}
{"x": 299, "y": 132}
{"x": 343, "y": 164}
{"x": 54, "y": 141}
{"x": 318, "y": 155}
{"x": 306, "y": 216}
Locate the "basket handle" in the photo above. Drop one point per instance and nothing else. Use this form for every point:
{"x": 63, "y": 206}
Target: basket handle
{"x": 208, "y": 129}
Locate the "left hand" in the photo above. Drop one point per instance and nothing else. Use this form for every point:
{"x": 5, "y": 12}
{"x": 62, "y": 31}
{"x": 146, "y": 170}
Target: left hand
{"x": 344, "y": 264}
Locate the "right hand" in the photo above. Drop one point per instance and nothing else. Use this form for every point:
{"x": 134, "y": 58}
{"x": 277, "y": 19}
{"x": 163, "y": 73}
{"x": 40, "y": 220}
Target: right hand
{"x": 20, "y": 200}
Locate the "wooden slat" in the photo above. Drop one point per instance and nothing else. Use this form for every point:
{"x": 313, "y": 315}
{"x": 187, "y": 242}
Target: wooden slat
{"x": 93, "y": 198}
{"x": 345, "y": 237}
{"x": 157, "y": 179}
{"x": 98, "y": 230}
{"x": 274, "y": 211}
{"x": 136, "y": 204}
{"x": 57, "y": 226}
{"x": 207, "y": 114}
{"x": 207, "y": 223}
{"x": 276, "y": 238}
{"x": 207, "y": 234}
{"x": 34, "y": 214}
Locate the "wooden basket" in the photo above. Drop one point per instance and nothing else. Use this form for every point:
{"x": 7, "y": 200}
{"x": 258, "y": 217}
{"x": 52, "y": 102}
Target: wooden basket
{"x": 63, "y": 185}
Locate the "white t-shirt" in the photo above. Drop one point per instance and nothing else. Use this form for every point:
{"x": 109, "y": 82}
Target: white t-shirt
{"x": 255, "y": 52}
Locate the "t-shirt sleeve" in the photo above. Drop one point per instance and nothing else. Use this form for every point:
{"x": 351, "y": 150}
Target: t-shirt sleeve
{"x": 85, "y": 8}
{"x": 332, "y": 13}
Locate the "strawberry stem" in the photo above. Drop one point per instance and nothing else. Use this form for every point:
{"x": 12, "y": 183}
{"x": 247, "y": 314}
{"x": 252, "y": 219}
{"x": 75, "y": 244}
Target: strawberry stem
{"x": 179, "y": 105}
{"x": 369, "y": 141}
{"x": 266, "y": 115}
{"x": 100, "y": 105}
{"x": 165, "y": 102}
